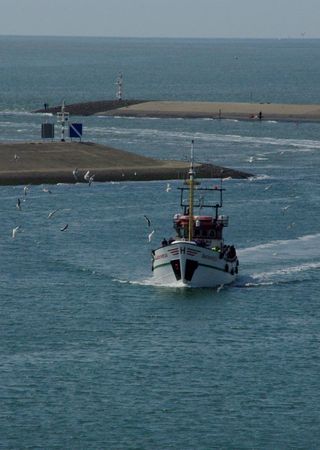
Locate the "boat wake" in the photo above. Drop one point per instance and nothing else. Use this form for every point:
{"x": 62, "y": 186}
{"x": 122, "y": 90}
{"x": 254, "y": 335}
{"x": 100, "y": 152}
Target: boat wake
{"x": 288, "y": 275}
{"x": 175, "y": 286}
{"x": 280, "y": 262}
{"x": 304, "y": 247}
{"x": 152, "y": 282}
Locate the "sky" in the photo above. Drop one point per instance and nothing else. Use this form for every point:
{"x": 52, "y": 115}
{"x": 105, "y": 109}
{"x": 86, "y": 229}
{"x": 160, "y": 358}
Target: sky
{"x": 162, "y": 18}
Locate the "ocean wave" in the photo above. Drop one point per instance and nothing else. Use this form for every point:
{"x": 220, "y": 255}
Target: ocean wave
{"x": 260, "y": 177}
{"x": 16, "y": 112}
{"x": 295, "y": 144}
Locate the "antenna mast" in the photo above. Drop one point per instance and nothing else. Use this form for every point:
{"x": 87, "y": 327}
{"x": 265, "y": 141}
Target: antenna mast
{"x": 62, "y": 117}
{"x": 191, "y": 192}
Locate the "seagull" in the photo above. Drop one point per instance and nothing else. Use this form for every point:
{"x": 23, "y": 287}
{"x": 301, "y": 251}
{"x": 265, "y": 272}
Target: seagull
{"x": 52, "y": 213}
{"x": 87, "y": 175}
{"x": 268, "y": 187}
{"x": 290, "y": 225}
{"x": 25, "y": 190}
{"x": 75, "y": 173}
{"x": 285, "y": 209}
{"x": 18, "y": 205}
{"x": 64, "y": 228}
{"x": 16, "y": 157}
{"x": 220, "y": 287}
{"x": 150, "y": 235}
{"x": 91, "y": 179}
{"x": 148, "y": 220}
{"x": 168, "y": 188}
{"x": 15, "y": 231}
{"x": 46, "y": 190}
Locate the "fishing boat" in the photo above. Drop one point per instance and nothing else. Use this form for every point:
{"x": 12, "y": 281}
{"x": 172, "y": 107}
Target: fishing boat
{"x": 197, "y": 256}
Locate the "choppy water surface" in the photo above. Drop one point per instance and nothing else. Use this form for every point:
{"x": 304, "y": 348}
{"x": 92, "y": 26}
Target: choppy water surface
{"x": 93, "y": 354}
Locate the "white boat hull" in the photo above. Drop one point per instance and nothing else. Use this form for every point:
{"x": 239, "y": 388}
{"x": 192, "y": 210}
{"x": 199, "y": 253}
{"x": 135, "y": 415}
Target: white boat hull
{"x": 183, "y": 263}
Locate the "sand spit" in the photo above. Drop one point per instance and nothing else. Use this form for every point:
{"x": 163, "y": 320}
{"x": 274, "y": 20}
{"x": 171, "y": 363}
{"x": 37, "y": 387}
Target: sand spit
{"x": 187, "y": 109}
{"x": 54, "y": 162}
{"x": 220, "y": 110}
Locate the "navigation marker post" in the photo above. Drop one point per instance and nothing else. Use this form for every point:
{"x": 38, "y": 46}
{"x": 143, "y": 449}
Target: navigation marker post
{"x": 62, "y": 117}
{"x": 119, "y": 85}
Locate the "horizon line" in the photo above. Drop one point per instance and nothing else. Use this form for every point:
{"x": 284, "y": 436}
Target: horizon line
{"x": 300, "y": 38}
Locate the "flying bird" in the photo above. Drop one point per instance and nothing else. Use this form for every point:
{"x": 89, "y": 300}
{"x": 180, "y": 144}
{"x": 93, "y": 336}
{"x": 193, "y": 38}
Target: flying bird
{"x": 52, "y": 213}
{"x": 75, "y": 173}
{"x": 148, "y": 220}
{"x": 268, "y": 187}
{"x": 150, "y": 235}
{"x": 18, "y": 205}
{"x": 285, "y": 209}
{"x": 220, "y": 287}
{"x": 15, "y": 231}
{"x": 290, "y": 225}
{"x": 64, "y": 228}
{"x": 87, "y": 175}
{"x": 46, "y": 190}
{"x": 25, "y": 190}
{"x": 168, "y": 188}
{"x": 91, "y": 179}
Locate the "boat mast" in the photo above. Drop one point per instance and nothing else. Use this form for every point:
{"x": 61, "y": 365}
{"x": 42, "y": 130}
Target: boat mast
{"x": 191, "y": 193}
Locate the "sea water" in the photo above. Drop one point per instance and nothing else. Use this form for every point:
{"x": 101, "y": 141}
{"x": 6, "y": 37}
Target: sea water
{"x": 93, "y": 354}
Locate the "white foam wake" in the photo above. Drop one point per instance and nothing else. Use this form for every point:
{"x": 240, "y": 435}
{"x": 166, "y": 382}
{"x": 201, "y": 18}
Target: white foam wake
{"x": 281, "y": 261}
{"x": 290, "y": 270}
{"x": 151, "y": 282}
{"x": 305, "y": 247}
